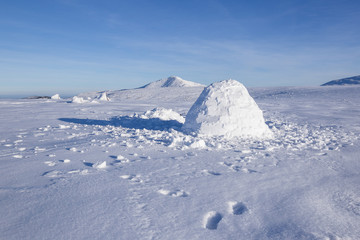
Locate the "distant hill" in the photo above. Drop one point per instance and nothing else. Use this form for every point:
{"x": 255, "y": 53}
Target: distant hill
{"x": 172, "y": 81}
{"x": 344, "y": 81}
{"x": 171, "y": 89}
{"x": 37, "y": 97}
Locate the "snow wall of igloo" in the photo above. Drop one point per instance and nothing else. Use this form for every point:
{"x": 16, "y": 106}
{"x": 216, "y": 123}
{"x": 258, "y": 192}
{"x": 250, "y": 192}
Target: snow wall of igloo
{"x": 226, "y": 109}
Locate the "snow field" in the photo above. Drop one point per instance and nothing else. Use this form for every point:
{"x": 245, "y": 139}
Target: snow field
{"x": 155, "y": 182}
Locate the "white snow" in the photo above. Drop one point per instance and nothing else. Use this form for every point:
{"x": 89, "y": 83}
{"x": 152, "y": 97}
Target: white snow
{"x": 77, "y": 99}
{"x": 211, "y": 220}
{"x": 163, "y": 114}
{"x": 56, "y": 97}
{"x": 103, "y": 97}
{"x": 226, "y": 109}
{"x": 99, "y": 165}
{"x": 159, "y": 182}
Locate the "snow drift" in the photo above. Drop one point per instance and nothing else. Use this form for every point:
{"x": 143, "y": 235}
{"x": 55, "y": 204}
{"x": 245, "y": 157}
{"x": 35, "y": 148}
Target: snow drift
{"x": 163, "y": 114}
{"x": 226, "y": 109}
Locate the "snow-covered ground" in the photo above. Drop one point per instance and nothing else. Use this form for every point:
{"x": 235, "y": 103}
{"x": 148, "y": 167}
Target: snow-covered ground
{"x": 109, "y": 170}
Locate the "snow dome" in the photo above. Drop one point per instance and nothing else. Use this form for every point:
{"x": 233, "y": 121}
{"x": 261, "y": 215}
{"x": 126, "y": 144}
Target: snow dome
{"x": 226, "y": 109}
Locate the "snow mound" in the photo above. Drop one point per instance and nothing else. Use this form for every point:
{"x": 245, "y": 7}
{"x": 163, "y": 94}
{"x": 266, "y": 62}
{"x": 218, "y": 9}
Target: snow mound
{"x": 163, "y": 114}
{"x": 103, "y": 97}
{"x": 172, "y": 81}
{"x": 344, "y": 81}
{"x": 56, "y": 97}
{"x": 226, "y": 109}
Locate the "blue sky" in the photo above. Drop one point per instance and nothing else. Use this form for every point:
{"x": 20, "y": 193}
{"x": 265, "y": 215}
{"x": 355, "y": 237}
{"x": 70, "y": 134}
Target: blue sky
{"x": 72, "y": 46}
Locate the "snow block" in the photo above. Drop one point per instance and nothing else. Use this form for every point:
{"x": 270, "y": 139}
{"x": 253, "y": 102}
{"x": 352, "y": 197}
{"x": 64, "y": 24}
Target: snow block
{"x": 163, "y": 114}
{"x": 77, "y": 99}
{"x": 56, "y": 97}
{"x": 103, "y": 97}
{"x": 226, "y": 109}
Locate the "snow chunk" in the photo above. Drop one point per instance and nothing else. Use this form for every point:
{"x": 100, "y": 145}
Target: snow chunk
{"x": 198, "y": 144}
{"x": 56, "y": 97}
{"x": 99, "y": 165}
{"x": 77, "y": 99}
{"x": 163, "y": 114}
{"x": 103, "y": 97}
{"x": 226, "y": 109}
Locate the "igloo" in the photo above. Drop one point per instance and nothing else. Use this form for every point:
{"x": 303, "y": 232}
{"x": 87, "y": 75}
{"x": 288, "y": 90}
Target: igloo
{"x": 226, "y": 109}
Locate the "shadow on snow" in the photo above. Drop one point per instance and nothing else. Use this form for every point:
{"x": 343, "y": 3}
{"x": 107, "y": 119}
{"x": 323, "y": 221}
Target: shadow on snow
{"x": 129, "y": 122}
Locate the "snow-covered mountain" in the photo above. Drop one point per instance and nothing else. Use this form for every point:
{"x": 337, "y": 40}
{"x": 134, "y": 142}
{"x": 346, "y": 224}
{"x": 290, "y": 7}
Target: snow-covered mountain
{"x": 167, "y": 90}
{"x": 344, "y": 81}
{"x": 172, "y": 81}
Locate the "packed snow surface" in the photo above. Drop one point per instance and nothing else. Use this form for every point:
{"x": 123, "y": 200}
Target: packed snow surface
{"x": 226, "y": 109}
{"x": 173, "y": 81}
{"x": 102, "y": 171}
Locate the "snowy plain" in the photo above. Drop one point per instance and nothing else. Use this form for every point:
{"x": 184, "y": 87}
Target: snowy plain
{"x": 107, "y": 170}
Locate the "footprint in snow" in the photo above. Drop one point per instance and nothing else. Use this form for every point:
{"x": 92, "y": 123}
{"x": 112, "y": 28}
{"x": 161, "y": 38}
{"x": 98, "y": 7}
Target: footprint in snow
{"x": 53, "y": 174}
{"x": 132, "y": 178}
{"x": 60, "y": 174}
{"x": 175, "y": 193}
{"x": 244, "y": 170}
{"x": 88, "y": 164}
{"x": 237, "y": 208}
{"x": 208, "y": 172}
{"x": 50, "y": 163}
{"x": 65, "y": 161}
{"x": 119, "y": 159}
{"x": 237, "y": 168}
{"x": 211, "y": 220}
{"x": 78, "y": 171}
